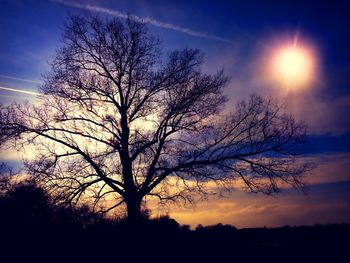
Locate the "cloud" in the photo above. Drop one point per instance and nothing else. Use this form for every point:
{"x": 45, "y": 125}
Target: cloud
{"x": 325, "y": 204}
{"x": 332, "y": 168}
{"x": 326, "y": 201}
{"x": 147, "y": 20}
{"x": 323, "y": 115}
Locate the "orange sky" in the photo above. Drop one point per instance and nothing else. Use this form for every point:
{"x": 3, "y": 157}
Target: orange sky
{"x": 326, "y": 201}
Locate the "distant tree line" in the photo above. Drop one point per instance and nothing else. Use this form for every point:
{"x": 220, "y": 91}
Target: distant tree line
{"x": 31, "y": 226}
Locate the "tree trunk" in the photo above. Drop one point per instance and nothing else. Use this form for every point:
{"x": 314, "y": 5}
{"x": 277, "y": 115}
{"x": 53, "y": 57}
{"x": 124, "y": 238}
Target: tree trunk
{"x": 134, "y": 210}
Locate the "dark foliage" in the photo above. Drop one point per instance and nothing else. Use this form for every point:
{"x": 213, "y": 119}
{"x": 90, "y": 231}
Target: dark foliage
{"x": 34, "y": 229}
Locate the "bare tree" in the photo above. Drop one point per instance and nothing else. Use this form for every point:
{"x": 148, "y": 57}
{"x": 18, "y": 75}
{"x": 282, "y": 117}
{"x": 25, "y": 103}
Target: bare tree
{"x": 116, "y": 123}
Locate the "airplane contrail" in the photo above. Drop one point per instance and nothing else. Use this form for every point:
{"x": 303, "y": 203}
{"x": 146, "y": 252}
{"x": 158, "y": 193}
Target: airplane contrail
{"x": 20, "y": 79}
{"x": 147, "y": 20}
{"x": 22, "y": 91}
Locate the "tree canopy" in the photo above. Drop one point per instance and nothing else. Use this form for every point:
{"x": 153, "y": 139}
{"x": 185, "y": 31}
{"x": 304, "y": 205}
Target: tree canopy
{"x": 117, "y": 123}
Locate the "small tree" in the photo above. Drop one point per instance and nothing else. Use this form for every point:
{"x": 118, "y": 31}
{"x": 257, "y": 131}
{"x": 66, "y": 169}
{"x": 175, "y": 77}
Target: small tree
{"x": 118, "y": 123}
{"x": 5, "y": 178}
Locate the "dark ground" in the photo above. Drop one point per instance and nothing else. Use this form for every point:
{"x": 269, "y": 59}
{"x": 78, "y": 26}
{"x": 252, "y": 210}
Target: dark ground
{"x": 33, "y": 230}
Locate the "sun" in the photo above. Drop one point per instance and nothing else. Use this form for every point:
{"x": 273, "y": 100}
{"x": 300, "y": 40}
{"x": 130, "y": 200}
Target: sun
{"x": 293, "y": 67}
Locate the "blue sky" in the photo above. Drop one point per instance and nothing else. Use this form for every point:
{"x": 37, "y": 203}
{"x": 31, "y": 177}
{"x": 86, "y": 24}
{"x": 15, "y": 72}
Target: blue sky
{"x": 234, "y": 35}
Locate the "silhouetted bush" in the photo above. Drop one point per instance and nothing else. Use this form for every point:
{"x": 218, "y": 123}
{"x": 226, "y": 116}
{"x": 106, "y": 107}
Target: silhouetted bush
{"x": 25, "y": 206}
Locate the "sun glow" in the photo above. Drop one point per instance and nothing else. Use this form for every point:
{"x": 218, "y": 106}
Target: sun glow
{"x": 292, "y": 66}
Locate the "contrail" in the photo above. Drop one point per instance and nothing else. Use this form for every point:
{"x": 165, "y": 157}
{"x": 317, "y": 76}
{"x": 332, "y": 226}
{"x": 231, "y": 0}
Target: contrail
{"x": 147, "y": 20}
{"x": 20, "y": 79}
{"x": 22, "y": 91}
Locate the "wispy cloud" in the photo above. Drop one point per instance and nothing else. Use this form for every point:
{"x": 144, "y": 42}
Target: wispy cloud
{"x": 147, "y": 20}
{"x": 20, "y": 79}
{"x": 21, "y": 91}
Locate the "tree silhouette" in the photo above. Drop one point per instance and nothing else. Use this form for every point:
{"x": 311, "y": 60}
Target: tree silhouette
{"x": 116, "y": 124}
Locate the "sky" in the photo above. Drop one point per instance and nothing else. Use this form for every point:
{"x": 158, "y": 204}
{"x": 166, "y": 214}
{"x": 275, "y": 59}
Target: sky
{"x": 243, "y": 37}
